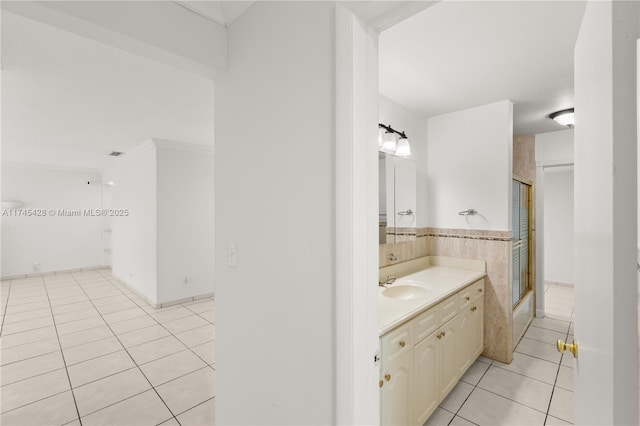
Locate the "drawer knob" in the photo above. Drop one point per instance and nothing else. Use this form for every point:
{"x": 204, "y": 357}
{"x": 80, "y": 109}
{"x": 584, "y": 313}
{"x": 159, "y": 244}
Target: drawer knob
{"x": 475, "y": 308}
{"x": 480, "y": 290}
{"x": 439, "y": 336}
{"x": 387, "y": 377}
{"x": 467, "y": 298}
{"x": 381, "y": 383}
{"x": 444, "y": 334}
{"x": 402, "y": 343}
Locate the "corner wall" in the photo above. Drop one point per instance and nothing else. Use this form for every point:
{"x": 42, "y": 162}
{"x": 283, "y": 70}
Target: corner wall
{"x": 134, "y": 237}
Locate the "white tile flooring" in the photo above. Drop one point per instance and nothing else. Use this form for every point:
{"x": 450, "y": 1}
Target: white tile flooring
{"x": 535, "y": 389}
{"x": 81, "y": 349}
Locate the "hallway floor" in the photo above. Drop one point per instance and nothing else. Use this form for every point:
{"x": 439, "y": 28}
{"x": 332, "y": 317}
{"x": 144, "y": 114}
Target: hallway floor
{"x": 80, "y": 348}
{"x": 535, "y": 389}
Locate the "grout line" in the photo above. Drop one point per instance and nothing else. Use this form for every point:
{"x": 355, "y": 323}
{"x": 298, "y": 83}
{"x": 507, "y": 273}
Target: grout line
{"x": 468, "y": 396}
{"x": 197, "y": 405}
{"x": 64, "y": 361}
{"x": 35, "y": 375}
{"x": 4, "y": 307}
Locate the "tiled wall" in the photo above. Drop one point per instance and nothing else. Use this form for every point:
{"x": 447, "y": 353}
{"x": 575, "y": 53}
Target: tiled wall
{"x": 524, "y": 157}
{"x": 414, "y": 247}
{"x": 494, "y": 247}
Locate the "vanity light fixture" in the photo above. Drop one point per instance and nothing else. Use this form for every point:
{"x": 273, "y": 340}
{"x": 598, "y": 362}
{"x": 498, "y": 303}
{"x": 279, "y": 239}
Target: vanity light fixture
{"x": 390, "y": 142}
{"x": 565, "y": 117}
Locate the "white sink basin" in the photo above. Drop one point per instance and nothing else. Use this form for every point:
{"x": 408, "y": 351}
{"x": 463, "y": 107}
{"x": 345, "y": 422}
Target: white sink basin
{"x": 405, "y": 292}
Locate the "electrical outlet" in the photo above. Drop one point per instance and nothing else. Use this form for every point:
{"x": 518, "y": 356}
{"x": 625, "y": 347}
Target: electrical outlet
{"x": 36, "y": 266}
{"x": 188, "y": 279}
{"x": 232, "y": 255}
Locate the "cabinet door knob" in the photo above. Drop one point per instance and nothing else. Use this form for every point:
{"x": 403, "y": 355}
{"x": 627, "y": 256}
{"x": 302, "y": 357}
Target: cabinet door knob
{"x": 439, "y": 336}
{"x": 381, "y": 383}
{"x": 402, "y": 343}
{"x": 480, "y": 290}
{"x": 444, "y": 334}
{"x": 467, "y": 298}
{"x": 387, "y": 377}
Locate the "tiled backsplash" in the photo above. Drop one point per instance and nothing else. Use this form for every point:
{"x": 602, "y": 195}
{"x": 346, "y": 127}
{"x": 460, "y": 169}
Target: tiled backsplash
{"x": 415, "y": 246}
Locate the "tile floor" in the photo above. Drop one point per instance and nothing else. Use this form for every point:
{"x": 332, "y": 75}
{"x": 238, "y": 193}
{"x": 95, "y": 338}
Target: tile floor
{"x": 82, "y": 349}
{"x": 535, "y": 389}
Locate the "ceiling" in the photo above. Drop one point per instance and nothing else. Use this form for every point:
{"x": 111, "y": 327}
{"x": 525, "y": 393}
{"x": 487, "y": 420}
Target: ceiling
{"x": 461, "y": 54}
{"x": 220, "y": 12}
{"x": 68, "y": 100}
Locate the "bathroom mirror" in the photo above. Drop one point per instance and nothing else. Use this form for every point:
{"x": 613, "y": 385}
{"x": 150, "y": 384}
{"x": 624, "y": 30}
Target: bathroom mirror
{"x": 397, "y": 198}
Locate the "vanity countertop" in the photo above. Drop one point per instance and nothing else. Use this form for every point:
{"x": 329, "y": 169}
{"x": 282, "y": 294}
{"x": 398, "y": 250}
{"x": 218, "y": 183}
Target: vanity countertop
{"x": 441, "y": 278}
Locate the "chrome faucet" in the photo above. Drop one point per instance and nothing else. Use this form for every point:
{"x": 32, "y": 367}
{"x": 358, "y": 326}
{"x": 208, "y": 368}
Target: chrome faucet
{"x": 390, "y": 280}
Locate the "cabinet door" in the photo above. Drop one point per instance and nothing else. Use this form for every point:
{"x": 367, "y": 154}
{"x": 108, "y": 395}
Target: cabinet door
{"x": 396, "y": 392}
{"x": 448, "y": 356}
{"x": 478, "y": 328}
{"x": 466, "y": 341}
{"x": 426, "y": 387}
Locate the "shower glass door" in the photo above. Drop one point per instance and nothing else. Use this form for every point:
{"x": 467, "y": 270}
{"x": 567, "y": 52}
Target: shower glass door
{"x": 521, "y": 207}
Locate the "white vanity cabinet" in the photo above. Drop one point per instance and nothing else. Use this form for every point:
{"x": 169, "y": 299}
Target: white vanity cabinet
{"x": 397, "y": 376}
{"x": 423, "y": 359}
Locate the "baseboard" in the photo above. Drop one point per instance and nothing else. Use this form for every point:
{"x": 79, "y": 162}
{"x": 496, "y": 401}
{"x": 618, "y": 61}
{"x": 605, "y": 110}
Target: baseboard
{"x": 50, "y": 273}
{"x": 156, "y": 305}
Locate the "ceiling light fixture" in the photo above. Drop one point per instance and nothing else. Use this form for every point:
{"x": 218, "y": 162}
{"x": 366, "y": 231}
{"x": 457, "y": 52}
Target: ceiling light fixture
{"x": 566, "y": 117}
{"x": 390, "y": 142}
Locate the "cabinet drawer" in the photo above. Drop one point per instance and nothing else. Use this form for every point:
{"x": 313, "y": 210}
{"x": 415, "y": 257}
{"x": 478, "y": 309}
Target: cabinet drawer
{"x": 477, "y": 289}
{"x": 398, "y": 341}
{"x": 466, "y": 296}
{"x": 448, "y": 308}
{"x": 426, "y": 323}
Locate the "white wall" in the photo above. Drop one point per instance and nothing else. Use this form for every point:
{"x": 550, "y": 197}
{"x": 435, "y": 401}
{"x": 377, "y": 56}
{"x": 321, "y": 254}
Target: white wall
{"x": 185, "y": 212}
{"x": 400, "y": 118}
{"x": 275, "y": 198}
{"x": 134, "y": 237}
{"x": 558, "y": 225}
{"x": 56, "y": 242}
{"x": 469, "y": 166}
{"x": 554, "y": 147}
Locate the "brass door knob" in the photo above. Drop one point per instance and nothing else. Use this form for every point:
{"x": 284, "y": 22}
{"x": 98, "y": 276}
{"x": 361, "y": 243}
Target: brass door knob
{"x": 573, "y": 347}
{"x": 402, "y": 343}
{"x": 381, "y": 383}
{"x": 387, "y": 377}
